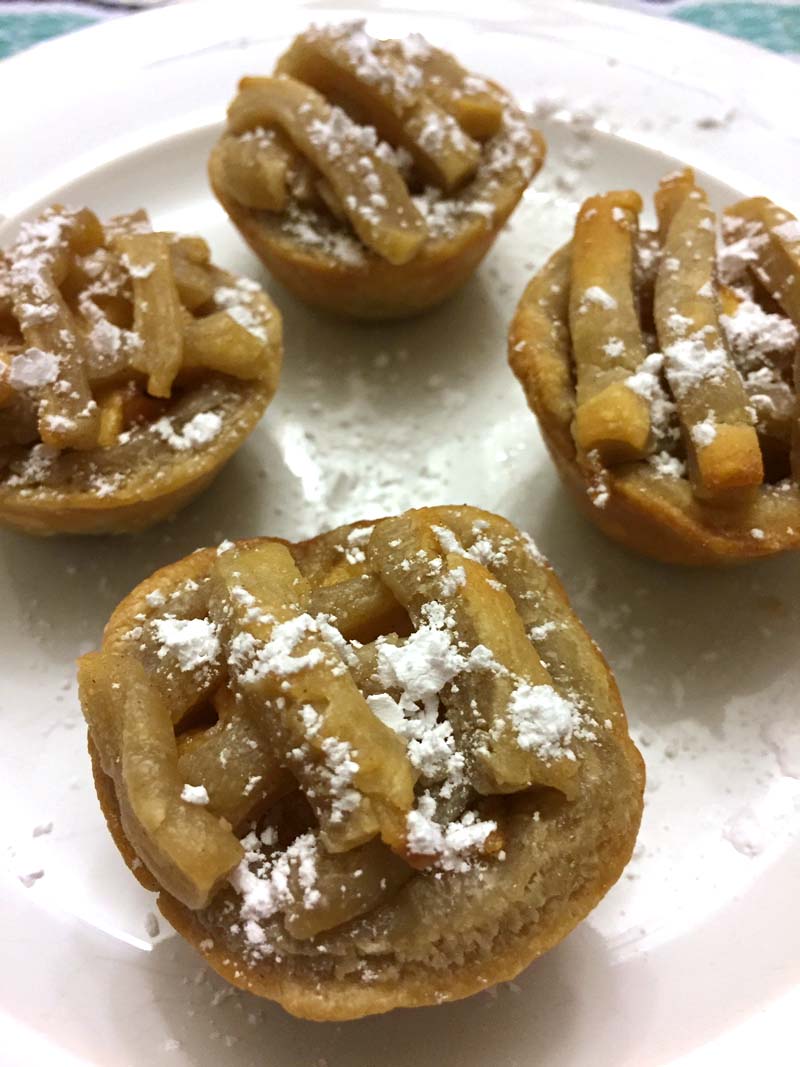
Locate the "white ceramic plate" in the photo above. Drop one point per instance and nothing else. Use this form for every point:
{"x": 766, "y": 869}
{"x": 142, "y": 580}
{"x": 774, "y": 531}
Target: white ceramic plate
{"x": 694, "y": 957}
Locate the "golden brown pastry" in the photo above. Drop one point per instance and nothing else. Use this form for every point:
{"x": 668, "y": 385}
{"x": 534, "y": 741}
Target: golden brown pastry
{"x": 370, "y": 176}
{"x": 131, "y": 369}
{"x": 386, "y": 767}
{"x": 663, "y": 367}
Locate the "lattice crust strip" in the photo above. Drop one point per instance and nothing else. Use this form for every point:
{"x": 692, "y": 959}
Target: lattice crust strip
{"x": 683, "y": 345}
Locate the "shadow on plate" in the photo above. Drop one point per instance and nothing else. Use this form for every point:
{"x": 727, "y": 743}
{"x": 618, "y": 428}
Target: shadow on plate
{"x": 553, "y": 1010}
{"x": 689, "y": 990}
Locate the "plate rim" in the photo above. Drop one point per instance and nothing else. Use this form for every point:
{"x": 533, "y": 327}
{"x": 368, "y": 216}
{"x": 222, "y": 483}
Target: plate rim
{"x": 31, "y": 63}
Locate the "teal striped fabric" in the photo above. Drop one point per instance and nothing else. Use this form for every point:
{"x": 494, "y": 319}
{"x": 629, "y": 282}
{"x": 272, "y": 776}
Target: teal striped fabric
{"x": 772, "y": 25}
{"x": 20, "y": 27}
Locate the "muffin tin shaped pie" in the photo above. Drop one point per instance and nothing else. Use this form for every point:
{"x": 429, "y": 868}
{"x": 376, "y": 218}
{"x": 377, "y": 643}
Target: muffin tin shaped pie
{"x": 371, "y": 176}
{"x": 663, "y": 368}
{"x": 131, "y": 369}
{"x": 385, "y": 767}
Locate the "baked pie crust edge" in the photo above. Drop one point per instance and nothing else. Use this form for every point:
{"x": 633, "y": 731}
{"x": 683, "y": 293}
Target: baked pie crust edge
{"x": 601, "y": 828}
{"x": 656, "y": 517}
{"x": 98, "y": 488}
{"x": 87, "y": 513}
{"x": 377, "y": 289}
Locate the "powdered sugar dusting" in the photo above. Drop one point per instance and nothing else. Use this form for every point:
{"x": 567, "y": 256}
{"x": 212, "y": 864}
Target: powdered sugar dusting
{"x": 452, "y": 845}
{"x": 32, "y": 369}
{"x": 270, "y": 881}
{"x": 705, "y": 432}
{"x": 647, "y": 383}
{"x": 422, "y": 666}
{"x": 689, "y": 362}
{"x": 417, "y": 672}
{"x": 614, "y": 347}
{"x": 193, "y": 642}
{"x": 595, "y": 294}
{"x": 788, "y": 231}
{"x": 341, "y": 769}
{"x": 665, "y": 465}
{"x": 753, "y": 333}
{"x": 195, "y": 794}
{"x": 253, "y": 660}
{"x": 544, "y": 721}
{"x": 200, "y": 430}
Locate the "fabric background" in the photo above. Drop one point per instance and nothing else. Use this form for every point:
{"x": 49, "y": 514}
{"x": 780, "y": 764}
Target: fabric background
{"x": 772, "y": 25}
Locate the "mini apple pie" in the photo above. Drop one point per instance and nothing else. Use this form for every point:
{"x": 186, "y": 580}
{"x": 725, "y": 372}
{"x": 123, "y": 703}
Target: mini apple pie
{"x": 369, "y": 176}
{"x": 131, "y": 369}
{"x": 386, "y": 767}
{"x": 663, "y": 366}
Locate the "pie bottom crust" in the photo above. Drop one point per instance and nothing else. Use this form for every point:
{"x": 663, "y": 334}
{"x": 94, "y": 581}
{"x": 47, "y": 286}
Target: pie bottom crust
{"x": 337, "y": 999}
{"x": 377, "y": 289}
{"x": 655, "y": 516}
{"x": 566, "y": 870}
{"x": 142, "y": 499}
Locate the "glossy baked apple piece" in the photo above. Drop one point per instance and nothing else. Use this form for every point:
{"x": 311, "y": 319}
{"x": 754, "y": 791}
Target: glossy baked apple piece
{"x": 604, "y": 326}
{"x": 707, "y": 387}
{"x": 348, "y": 824}
{"x": 371, "y": 176}
{"x": 662, "y": 366}
{"x": 131, "y": 368}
